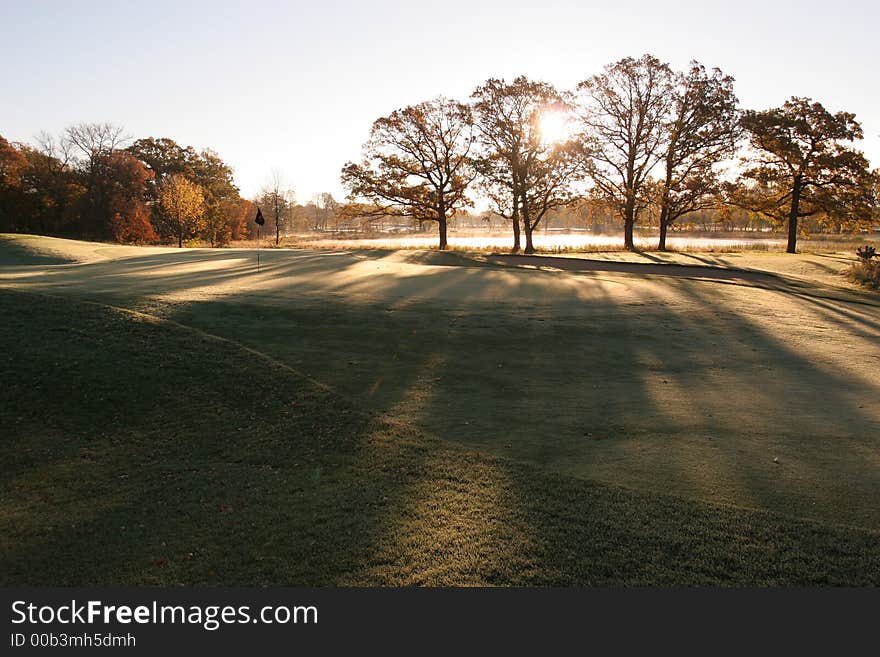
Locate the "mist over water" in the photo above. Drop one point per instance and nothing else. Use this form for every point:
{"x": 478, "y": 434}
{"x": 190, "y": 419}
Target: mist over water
{"x": 564, "y": 241}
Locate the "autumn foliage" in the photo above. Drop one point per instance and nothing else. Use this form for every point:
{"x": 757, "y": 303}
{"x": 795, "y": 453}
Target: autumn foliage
{"x": 642, "y": 143}
{"x": 91, "y": 183}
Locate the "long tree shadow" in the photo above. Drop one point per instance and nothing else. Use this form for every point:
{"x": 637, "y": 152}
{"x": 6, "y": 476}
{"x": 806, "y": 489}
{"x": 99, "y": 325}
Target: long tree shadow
{"x": 658, "y": 268}
{"x": 315, "y": 492}
{"x": 581, "y": 544}
{"x": 517, "y": 357}
{"x": 613, "y": 385}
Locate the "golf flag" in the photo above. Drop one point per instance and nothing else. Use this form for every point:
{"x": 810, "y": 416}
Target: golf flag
{"x": 259, "y": 219}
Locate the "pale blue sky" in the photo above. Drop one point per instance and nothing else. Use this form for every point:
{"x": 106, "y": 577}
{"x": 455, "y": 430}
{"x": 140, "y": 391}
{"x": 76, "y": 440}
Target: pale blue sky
{"x": 296, "y": 85}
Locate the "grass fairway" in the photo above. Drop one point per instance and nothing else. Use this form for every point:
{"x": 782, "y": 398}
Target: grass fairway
{"x": 464, "y": 423}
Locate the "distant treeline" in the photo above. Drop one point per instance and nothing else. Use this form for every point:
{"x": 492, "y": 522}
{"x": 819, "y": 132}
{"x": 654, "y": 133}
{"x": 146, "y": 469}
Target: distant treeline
{"x": 637, "y": 144}
{"x": 92, "y": 183}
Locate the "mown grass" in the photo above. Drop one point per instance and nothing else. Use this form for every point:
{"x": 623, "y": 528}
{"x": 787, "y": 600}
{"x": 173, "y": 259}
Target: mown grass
{"x": 140, "y": 452}
{"x": 17, "y": 250}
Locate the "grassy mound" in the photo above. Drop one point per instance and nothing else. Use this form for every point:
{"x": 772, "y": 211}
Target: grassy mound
{"x": 142, "y": 453}
{"x": 30, "y": 250}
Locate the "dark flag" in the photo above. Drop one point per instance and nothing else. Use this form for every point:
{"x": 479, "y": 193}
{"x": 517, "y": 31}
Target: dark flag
{"x": 259, "y": 219}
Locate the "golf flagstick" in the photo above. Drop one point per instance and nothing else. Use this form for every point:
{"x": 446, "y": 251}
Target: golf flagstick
{"x": 259, "y": 221}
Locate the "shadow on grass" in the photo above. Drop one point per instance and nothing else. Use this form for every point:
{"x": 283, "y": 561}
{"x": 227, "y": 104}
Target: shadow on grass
{"x": 14, "y": 252}
{"x": 600, "y": 385}
{"x": 138, "y": 452}
{"x": 657, "y": 268}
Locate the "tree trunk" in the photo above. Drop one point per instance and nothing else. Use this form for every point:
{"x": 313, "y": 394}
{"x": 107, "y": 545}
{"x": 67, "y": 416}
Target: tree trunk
{"x": 277, "y": 224}
{"x": 629, "y": 220}
{"x": 664, "y": 223}
{"x": 514, "y": 218}
{"x": 442, "y": 226}
{"x": 664, "y": 206}
{"x": 793, "y": 216}
{"x": 527, "y": 226}
{"x": 530, "y": 247}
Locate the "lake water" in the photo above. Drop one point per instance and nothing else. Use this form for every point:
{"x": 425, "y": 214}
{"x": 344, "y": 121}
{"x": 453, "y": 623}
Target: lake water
{"x": 563, "y": 241}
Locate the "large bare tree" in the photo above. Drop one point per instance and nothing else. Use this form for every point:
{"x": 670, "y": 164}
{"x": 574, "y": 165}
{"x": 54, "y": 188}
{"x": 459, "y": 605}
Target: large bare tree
{"x": 502, "y": 113}
{"x": 94, "y": 140}
{"x": 623, "y": 112}
{"x": 701, "y": 131}
{"x": 523, "y": 174}
{"x": 417, "y": 163}
{"x": 91, "y": 145}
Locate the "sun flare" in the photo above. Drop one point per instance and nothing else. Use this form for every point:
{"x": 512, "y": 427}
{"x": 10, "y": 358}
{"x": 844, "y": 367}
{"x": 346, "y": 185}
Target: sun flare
{"x": 555, "y": 126}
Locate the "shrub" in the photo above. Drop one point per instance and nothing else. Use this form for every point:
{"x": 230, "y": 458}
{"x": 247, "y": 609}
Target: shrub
{"x": 867, "y": 270}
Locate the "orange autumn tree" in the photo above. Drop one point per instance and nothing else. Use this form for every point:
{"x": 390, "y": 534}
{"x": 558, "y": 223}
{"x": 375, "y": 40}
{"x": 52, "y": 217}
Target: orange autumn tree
{"x": 129, "y": 215}
{"x": 183, "y": 205}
